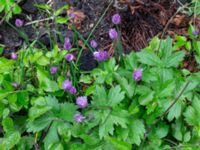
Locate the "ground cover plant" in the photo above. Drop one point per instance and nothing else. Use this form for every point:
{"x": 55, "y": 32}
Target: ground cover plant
{"x": 147, "y": 99}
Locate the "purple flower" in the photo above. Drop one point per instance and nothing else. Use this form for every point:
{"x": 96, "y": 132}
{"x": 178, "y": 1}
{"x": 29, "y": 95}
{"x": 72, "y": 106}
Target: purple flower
{"x": 93, "y": 44}
{"x": 72, "y": 90}
{"x": 53, "y": 70}
{"x": 15, "y": 84}
{"x": 195, "y": 32}
{"x": 113, "y": 34}
{"x": 137, "y": 74}
{"x": 19, "y": 22}
{"x": 13, "y": 56}
{"x": 69, "y": 57}
{"x": 72, "y": 15}
{"x": 81, "y": 101}
{"x": 101, "y": 55}
{"x": 67, "y": 44}
{"x": 116, "y": 19}
{"x": 79, "y": 118}
{"x": 67, "y": 85}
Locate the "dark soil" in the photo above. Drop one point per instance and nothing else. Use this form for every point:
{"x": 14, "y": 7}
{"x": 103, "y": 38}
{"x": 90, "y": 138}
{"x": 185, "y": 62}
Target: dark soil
{"x": 141, "y": 20}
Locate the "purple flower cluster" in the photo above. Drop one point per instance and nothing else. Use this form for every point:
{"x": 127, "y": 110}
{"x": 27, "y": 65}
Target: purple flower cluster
{"x": 72, "y": 15}
{"x": 19, "y": 22}
{"x": 15, "y": 84}
{"x": 113, "y": 34}
{"x": 137, "y": 74}
{"x": 195, "y": 32}
{"x": 69, "y": 57}
{"x": 93, "y": 44}
{"x": 82, "y": 102}
{"x": 101, "y": 55}
{"x": 79, "y": 118}
{"x": 13, "y": 56}
{"x": 116, "y": 19}
{"x": 67, "y": 44}
{"x": 67, "y": 86}
{"x": 53, "y": 70}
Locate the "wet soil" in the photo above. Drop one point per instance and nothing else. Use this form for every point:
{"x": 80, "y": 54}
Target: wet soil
{"x": 141, "y": 20}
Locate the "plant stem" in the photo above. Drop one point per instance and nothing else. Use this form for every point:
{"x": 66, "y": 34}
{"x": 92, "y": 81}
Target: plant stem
{"x": 165, "y": 112}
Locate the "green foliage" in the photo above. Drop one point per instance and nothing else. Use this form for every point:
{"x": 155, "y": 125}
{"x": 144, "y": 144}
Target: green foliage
{"x": 9, "y": 7}
{"x": 160, "y": 111}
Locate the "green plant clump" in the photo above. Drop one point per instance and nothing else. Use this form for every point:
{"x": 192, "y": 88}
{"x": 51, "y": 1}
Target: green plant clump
{"x": 155, "y": 109}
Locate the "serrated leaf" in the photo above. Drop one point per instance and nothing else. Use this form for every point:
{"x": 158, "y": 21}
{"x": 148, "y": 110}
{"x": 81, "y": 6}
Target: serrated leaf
{"x": 146, "y": 98}
{"x": 39, "y": 124}
{"x": 120, "y": 145}
{"x": 175, "y": 59}
{"x": 192, "y": 114}
{"x": 136, "y": 132}
{"x": 109, "y": 120}
{"x": 35, "y": 112}
{"x": 125, "y": 85}
{"x": 149, "y": 58}
{"x": 100, "y": 96}
{"x": 67, "y": 111}
{"x": 175, "y": 111}
{"x": 115, "y": 96}
{"x": 167, "y": 88}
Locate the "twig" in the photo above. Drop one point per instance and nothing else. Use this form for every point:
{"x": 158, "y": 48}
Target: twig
{"x": 41, "y": 20}
{"x": 166, "y": 111}
{"x": 168, "y": 23}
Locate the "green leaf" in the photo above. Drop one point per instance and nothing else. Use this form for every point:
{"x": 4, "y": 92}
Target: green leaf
{"x": 131, "y": 61}
{"x": 180, "y": 41}
{"x": 177, "y": 130}
{"x": 10, "y": 140}
{"x": 43, "y": 61}
{"x": 23, "y": 98}
{"x": 1, "y": 50}
{"x": 149, "y": 58}
{"x": 67, "y": 111}
{"x": 17, "y": 9}
{"x": 162, "y": 130}
{"x": 175, "y": 111}
{"x": 115, "y": 96}
{"x": 57, "y": 146}
{"x": 60, "y": 10}
{"x": 100, "y": 96}
{"x": 167, "y": 88}
{"x": 175, "y": 59}
{"x": 111, "y": 118}
{"x": 45, "y": 83}
{"x": 120, "y": 145}
{"x": 129, "y": 89}
{"x": 136, "y": 132}
{"x": 43, "y": 6}
{"x": 62, "y": 20}
{"x": 192, "y": 114}
{"x": 8, "y": 125}
{"x": 39, "y": 124}
{"x": 51, "y": 137}
{"x": 35, "y": 112}
{"x": 146, "y": 98}
{"x": 166, "y": 48}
